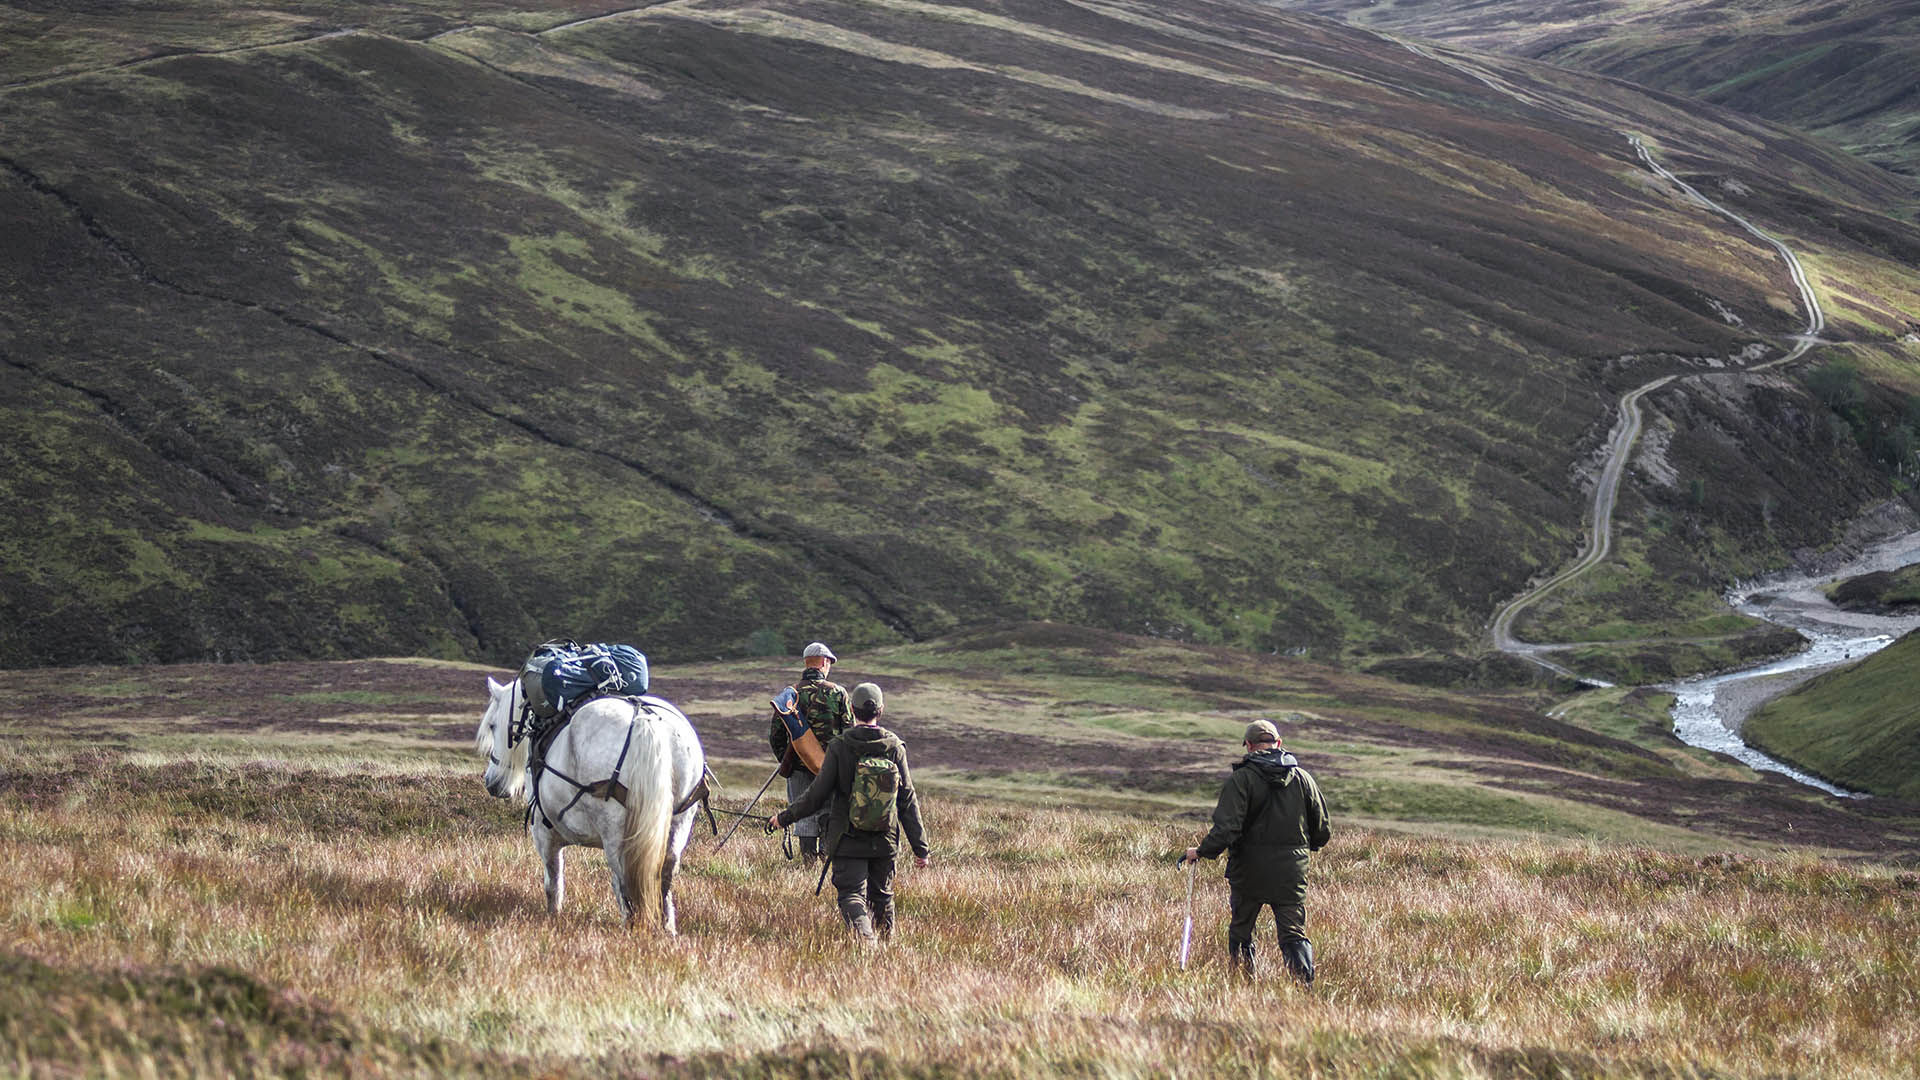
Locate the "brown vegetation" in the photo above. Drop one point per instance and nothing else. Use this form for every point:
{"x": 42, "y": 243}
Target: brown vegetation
{"x": 338, "y": 895}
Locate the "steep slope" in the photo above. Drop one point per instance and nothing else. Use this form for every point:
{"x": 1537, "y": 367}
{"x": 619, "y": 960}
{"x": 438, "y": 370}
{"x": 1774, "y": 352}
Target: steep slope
{"x": 1859, "y": 726}
{"x": 1841, "y": 69}
{"x": 716, "y": 326}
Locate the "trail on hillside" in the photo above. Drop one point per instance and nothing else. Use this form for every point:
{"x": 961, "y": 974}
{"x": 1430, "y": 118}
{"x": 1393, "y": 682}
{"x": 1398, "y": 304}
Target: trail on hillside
{"x": 1698, "y": 719}
{"x": 319, "y": 36}
{"x": 1606, "y": 491}
{"x": 1626, "y": 432}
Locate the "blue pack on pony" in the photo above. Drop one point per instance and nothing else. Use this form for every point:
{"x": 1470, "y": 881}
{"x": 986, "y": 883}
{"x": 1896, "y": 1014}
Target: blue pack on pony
{"x": 561, "y": 673}
{"x": 592, "y": 671}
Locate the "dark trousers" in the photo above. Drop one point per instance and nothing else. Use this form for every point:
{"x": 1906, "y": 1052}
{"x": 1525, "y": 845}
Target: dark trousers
{"x": 1290, "y": 920}
{"x": 865, "y": 890}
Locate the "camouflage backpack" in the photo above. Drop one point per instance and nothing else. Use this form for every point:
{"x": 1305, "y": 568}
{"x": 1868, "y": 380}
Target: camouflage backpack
{"x": 876, "y": 785}
{"x": 816, "y": 701}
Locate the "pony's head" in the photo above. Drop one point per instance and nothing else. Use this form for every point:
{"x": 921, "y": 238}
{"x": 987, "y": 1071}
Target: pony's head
{"x": 506, "y": 776}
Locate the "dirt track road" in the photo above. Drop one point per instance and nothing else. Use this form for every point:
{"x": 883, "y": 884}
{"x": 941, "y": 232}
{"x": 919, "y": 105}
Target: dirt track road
{"x": 1627, "y": 432}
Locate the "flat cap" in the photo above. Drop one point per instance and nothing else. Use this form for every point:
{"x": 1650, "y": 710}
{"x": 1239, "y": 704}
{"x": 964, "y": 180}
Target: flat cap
{"x": 866, "y": 698}
{"x": 1261, "y": 731}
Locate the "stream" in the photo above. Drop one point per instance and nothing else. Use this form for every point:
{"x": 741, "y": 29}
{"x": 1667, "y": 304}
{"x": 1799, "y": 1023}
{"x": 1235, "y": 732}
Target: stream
{"x": 1709, "y": 710}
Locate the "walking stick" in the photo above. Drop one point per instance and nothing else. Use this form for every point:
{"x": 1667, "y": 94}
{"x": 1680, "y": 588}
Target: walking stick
{"x": 826, "y": 862}
{"x": 748, "y": 810}
{"x": 1186, "y": 932}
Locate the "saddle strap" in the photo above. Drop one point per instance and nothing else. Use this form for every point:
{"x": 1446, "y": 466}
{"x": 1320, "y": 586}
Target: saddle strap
{"x": 611, "y": 787}
{"x": 697, "y": 795}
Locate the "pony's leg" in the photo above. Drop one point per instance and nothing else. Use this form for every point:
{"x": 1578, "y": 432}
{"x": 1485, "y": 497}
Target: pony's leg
{"x": 553, "y": 858}
{"x": 616, "y": 866}
{"x": 676, "y": 843}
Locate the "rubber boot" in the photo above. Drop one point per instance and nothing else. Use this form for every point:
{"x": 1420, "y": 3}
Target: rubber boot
{"x": 1299, "y": 957}
{"x": 1240, "y": 959}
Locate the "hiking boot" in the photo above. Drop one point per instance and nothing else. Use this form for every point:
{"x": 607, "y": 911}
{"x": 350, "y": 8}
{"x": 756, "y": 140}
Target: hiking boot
{"x": 1299, "y": 957}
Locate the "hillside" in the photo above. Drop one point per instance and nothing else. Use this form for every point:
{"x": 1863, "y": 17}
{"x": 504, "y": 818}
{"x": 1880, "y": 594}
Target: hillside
{"x": 1841, "y": 70}
{"x": 339, "y": 330}
{"x": 294, "y": 868}
{"x": 1858, "y": 727}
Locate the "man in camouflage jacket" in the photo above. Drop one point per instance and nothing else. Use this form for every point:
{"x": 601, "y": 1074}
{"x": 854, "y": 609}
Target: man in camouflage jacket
{"x": 824, "y": 705}
{"x": 1269, "y": 816}
{"x": 863, "y": 862}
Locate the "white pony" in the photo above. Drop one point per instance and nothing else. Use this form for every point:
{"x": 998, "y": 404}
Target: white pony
{"x": 625, "y": 774}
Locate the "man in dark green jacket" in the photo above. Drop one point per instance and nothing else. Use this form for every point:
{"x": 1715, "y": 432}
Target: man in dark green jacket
{"x": 1270, "y": 815}
{"x": 856, "y": 777}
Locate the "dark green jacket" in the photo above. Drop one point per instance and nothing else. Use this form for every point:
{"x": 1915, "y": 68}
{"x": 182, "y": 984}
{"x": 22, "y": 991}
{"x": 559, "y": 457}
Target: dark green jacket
{"x": 1270, "y": 814}
{"x": 825, "y": 706}
{"x": 835, "y": 782}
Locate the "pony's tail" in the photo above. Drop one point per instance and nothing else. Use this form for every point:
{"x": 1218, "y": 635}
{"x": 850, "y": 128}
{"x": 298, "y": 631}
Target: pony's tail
{"x": 643, "y": 844}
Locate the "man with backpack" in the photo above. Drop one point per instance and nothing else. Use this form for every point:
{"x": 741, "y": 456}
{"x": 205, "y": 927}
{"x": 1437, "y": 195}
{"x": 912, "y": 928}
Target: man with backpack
{"x": 873, "y": 804}
{"x": 823, "y": 706}
{"x": 1269, "y": 816}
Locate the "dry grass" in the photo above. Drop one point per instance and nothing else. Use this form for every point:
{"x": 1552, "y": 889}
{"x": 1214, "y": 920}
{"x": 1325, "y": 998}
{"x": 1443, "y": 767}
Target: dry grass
{"x": 152, "y": 928}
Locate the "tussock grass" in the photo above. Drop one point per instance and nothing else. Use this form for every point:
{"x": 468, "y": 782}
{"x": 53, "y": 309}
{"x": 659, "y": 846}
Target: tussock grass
{"x": 153, "y": 928}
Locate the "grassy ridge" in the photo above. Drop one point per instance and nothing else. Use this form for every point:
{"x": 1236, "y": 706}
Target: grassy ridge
{"x": 1859, "y": 727}
{"x": 711, "y": 326}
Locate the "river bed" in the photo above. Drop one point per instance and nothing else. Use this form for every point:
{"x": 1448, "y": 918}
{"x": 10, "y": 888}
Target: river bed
{"x": 1708, "y": 712}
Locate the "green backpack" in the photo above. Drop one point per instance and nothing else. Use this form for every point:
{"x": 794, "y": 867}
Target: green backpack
{"x": 876, "y": 786}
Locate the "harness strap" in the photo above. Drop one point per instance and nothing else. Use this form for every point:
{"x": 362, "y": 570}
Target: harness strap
{"x": 699, "y": 793}
{"x": 601, "y": 789}
{"x": 611, "y": 787}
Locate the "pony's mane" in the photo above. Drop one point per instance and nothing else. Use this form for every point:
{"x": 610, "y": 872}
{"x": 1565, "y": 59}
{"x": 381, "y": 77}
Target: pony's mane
{"x": 494, "y": 726}
{"x": 483, "y": 735}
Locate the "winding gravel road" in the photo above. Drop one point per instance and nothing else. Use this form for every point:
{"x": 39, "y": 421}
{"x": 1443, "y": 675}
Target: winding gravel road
{"x": 1627, "y": 432}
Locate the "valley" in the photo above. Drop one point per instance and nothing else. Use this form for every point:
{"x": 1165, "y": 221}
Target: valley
{"x": 1097, "y": 376}
{"x": 1841, "y": 71}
